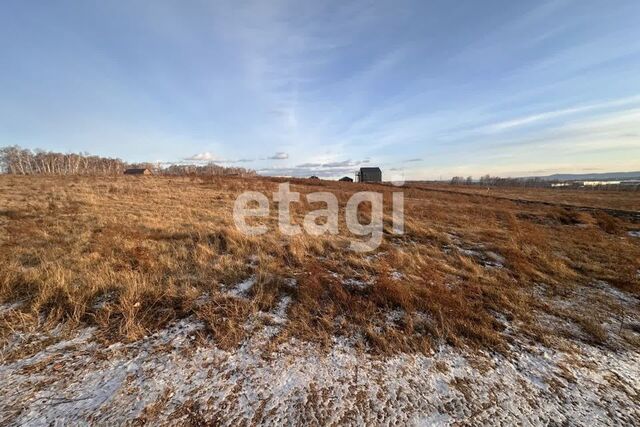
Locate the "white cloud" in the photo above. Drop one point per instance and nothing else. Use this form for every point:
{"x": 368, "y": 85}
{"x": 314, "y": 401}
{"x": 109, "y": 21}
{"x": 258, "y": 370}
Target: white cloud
{"x": 201, "y": 157}
{"x": 306, "y": 172}
{"x": 327, "y": 170}
{"x": 280, "y": 155}
{"x": 208, "y": 157}
{"x": 344, "y": 163}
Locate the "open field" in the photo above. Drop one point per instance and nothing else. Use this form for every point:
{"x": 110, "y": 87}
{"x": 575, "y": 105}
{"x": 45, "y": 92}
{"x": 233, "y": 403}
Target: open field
{"x": 623, "y": 200}
{"x": 115, "y": 287}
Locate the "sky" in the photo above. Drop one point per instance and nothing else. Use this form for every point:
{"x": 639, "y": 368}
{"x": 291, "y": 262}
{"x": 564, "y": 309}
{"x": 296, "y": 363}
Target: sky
{"x": 424, "y": 89}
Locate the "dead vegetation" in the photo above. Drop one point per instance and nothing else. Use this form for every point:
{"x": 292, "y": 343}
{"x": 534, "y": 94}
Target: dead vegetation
{"x": 616, "y": 199}
{"x": 131, "y": 255}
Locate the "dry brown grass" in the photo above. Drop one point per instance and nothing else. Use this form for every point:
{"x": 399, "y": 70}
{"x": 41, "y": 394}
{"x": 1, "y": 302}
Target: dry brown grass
{"x": 129, "y": 255}
{"x": 593, "y": 197}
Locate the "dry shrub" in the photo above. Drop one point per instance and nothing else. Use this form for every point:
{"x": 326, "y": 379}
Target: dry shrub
{"x": 608, "y": 223}
{"x": 566, "y": 216}
{"x": 461, "y": 315}
{"x": 319, "y": 296}
{"x": 390, "y": 293}
{"x": 593, "y": 329}
{"x": 224, "y": 319}
{"x": 11, "y": 213}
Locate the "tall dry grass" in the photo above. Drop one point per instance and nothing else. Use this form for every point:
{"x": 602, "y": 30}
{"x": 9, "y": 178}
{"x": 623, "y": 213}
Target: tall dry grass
{"x": 129, "y": 255}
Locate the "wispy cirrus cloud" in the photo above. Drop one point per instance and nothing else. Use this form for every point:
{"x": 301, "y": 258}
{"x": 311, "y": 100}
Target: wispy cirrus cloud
{"x": 344, "y": 163}
{"x": 309, "y": 165}
{"x": 554, "y": 114}
{"x": 338, "y": 164}
{"x": 326, "y": 81}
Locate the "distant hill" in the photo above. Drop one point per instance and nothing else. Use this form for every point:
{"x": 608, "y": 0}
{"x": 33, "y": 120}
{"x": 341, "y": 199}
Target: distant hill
{"x": 592, "y": 176}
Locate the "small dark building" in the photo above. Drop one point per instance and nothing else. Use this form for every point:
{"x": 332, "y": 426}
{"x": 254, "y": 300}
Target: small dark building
{"x": 346, "y": 179}
{"x": 137, "y": 171}
{"x": 313, "y": 177}
{"x": 369, "y": 175}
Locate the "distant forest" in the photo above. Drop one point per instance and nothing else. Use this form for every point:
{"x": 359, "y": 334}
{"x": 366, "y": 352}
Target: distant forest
{"x": 20, "y": 161}
{"x": 546, "y": 182}
{"x": 496, "y": 181}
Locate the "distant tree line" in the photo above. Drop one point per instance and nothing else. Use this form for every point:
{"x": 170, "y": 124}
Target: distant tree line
{"x": 496, "y": 181}
{"x": 210, "y": 169}
{"x": 461, "y": 180}
{"x": 20, "y": 161}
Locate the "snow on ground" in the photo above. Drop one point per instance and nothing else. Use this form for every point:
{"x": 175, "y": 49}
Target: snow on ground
{"x": 353, "y": 283}
{"x": 396, "y": 275}
{"x": 174, "y": 377}
{"x": 477, "y": 251}
{"x": 242, "y": 288}
{"x": 4, "y": 308}
{"x": 634, "y": 233}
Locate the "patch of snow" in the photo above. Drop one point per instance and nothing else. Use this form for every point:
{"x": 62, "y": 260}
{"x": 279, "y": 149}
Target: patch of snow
{"x": 202, "y": 299}
{"x": 436, "y": 419}
{"x": 79, "y": 382}
{"x": 488, "y": 259}
{"x": 172, "y": 378}
{"x": 291, "y": 282}
{"x": 103, "y": 300}
{"x": 357, "y": 284}
{"x": 351, "y": 282}
{"x": 470, "y": 252}
{"x": 265, "y": 325}
{"x": 614, "y": 293}
{"x": 396, "y": 275}
{"x": 279, "y": 314}
{"x": 394, "y": 316}
{"x": 5, "y": 308}
{"x": 375, "y": 256}
{"x": 243, "y": 288}
{"x": 635, "y": 233}
{"x": 496, "y": 258}
{"x": 612, "y": 309}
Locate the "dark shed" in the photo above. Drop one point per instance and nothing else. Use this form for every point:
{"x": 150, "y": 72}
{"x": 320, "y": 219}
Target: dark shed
{"x": 370, "y": 175}
{"x": 137, "y": 171}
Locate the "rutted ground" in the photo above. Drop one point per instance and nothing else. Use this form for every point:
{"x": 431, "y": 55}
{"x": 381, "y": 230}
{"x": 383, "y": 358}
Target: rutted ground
{"x": 178, "y": 375}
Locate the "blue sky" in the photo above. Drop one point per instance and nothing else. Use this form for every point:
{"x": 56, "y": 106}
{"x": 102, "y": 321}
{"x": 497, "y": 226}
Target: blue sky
{"x": 424, "y": 89}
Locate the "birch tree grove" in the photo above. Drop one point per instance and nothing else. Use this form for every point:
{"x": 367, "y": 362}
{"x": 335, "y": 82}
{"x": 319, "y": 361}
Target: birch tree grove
{"x": 16, "y": 160}
{"x": 19, "y": 161}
